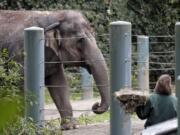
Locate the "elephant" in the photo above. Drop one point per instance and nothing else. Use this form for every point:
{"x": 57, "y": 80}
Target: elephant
{"x": 69, "y": 39}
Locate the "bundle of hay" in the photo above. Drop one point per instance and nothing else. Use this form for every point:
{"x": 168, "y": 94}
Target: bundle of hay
{"x": 130, "y": 99}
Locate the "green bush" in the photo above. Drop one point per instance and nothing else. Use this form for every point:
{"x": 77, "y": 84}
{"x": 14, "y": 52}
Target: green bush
{"x": 12, "y": 102}
{"x": 10, "y": 97}
{"x": 27, "y": 127}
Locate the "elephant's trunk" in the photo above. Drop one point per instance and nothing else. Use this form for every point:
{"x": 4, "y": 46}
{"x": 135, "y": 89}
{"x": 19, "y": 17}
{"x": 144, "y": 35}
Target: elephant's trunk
{"x": 99, "y": 71}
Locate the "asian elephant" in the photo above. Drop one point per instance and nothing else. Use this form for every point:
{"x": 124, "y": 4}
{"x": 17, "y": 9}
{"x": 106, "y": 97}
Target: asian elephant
{"x": 68, "y": 37}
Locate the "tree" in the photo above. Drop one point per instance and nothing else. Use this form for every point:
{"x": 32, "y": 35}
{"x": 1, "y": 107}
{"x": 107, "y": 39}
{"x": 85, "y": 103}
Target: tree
{"x": 156, "y": 18}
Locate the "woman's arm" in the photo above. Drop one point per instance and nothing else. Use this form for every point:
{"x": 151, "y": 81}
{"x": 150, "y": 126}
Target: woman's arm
{"x": 144, "y": 111}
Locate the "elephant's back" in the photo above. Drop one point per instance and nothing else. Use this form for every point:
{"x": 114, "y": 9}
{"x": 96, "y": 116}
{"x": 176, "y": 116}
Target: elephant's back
{"x": 13, "y": 24}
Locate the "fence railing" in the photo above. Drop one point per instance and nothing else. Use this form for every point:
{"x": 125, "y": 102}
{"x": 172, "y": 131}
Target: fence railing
{"x": 121, "y": 69}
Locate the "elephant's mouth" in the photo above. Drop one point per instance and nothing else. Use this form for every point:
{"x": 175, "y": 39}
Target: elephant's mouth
{"x": 79, "y": 64}
{"x": 88, "y": 68}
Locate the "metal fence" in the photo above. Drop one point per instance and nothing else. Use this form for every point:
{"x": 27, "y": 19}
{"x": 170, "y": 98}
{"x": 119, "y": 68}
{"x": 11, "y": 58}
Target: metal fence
{"x": 125, "y": 63}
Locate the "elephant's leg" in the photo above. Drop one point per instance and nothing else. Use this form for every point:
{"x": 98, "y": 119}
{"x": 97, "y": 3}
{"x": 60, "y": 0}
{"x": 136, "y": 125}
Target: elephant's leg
{"x": 58, "y": 90}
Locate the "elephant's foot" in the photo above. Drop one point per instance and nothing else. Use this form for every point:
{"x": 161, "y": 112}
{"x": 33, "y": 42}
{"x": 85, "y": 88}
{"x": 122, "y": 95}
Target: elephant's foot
{"x": 68, "y": 124}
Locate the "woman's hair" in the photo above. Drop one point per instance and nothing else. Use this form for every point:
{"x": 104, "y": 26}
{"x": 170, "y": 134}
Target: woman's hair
{"x": 163, "y": 85}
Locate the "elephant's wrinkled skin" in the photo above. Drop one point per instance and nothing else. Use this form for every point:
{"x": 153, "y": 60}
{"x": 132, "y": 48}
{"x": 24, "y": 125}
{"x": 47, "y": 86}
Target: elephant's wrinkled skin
{"x": 60, "y": 45}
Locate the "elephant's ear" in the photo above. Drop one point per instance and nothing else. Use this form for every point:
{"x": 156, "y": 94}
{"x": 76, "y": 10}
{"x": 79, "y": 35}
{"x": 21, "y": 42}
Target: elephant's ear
{"x": 52, "y": 26}
{"x": 53, "y": 40}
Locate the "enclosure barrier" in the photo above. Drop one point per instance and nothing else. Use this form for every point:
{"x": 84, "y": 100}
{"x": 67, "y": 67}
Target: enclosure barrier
{"x": 120, "y": 39}
{"x": 34, "y": 74}
{"x": 143, "y": 62}
{"x": 177, "y": 71}
{"x": 120, "y": 34}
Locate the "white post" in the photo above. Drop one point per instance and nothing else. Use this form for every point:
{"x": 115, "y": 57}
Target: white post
{"x": 87, "y": 84}
{"x": 143, "y": 62}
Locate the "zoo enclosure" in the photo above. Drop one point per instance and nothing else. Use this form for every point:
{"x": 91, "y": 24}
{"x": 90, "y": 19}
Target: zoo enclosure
{"x": 40, "y": 109}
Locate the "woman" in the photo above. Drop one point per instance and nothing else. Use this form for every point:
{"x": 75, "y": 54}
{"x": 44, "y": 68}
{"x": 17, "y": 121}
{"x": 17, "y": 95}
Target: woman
{"x": 161, "y": 105}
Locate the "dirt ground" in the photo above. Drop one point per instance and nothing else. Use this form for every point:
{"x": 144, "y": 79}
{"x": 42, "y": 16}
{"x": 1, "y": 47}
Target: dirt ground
{"x": 94, "y": 129}
{"x": 104, "y": 129}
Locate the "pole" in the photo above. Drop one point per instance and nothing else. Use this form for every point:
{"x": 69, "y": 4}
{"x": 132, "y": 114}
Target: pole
{"x": 86, "y": 83}
{"x": 34, "y": 73}
{"x": 143, "y": 62}
{"x": 177, "y": 71}
{"x": 120, "y": 38}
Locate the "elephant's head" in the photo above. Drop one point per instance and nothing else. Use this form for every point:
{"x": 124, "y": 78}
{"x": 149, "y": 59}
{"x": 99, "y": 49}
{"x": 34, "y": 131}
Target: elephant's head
{"x": 75, "y": 45}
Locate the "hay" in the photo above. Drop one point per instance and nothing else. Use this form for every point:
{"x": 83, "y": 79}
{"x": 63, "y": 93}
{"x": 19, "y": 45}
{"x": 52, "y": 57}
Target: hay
{"x": 130, "y": 99}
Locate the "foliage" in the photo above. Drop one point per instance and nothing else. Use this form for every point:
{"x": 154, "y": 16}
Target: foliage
{"x": 155, "y": 18}
{"x": 9, "y": 75}
{"x": 10, "y": 99}
{"x": 27, "y": 127}
{"x": 11, "y": 102}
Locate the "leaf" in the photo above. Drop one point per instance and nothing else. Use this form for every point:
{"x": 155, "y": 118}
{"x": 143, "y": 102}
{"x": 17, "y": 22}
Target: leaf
{"x": 8, "y": 112}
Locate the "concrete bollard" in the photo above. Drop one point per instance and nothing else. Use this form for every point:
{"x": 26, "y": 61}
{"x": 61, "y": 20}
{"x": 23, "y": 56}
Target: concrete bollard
{"x": 120, "y": 38}
{"x": 34, "y": 73}
{"x": 87, "y": 84}
{"x": 177, "y": 70}
{"x": 143, "y": 62}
